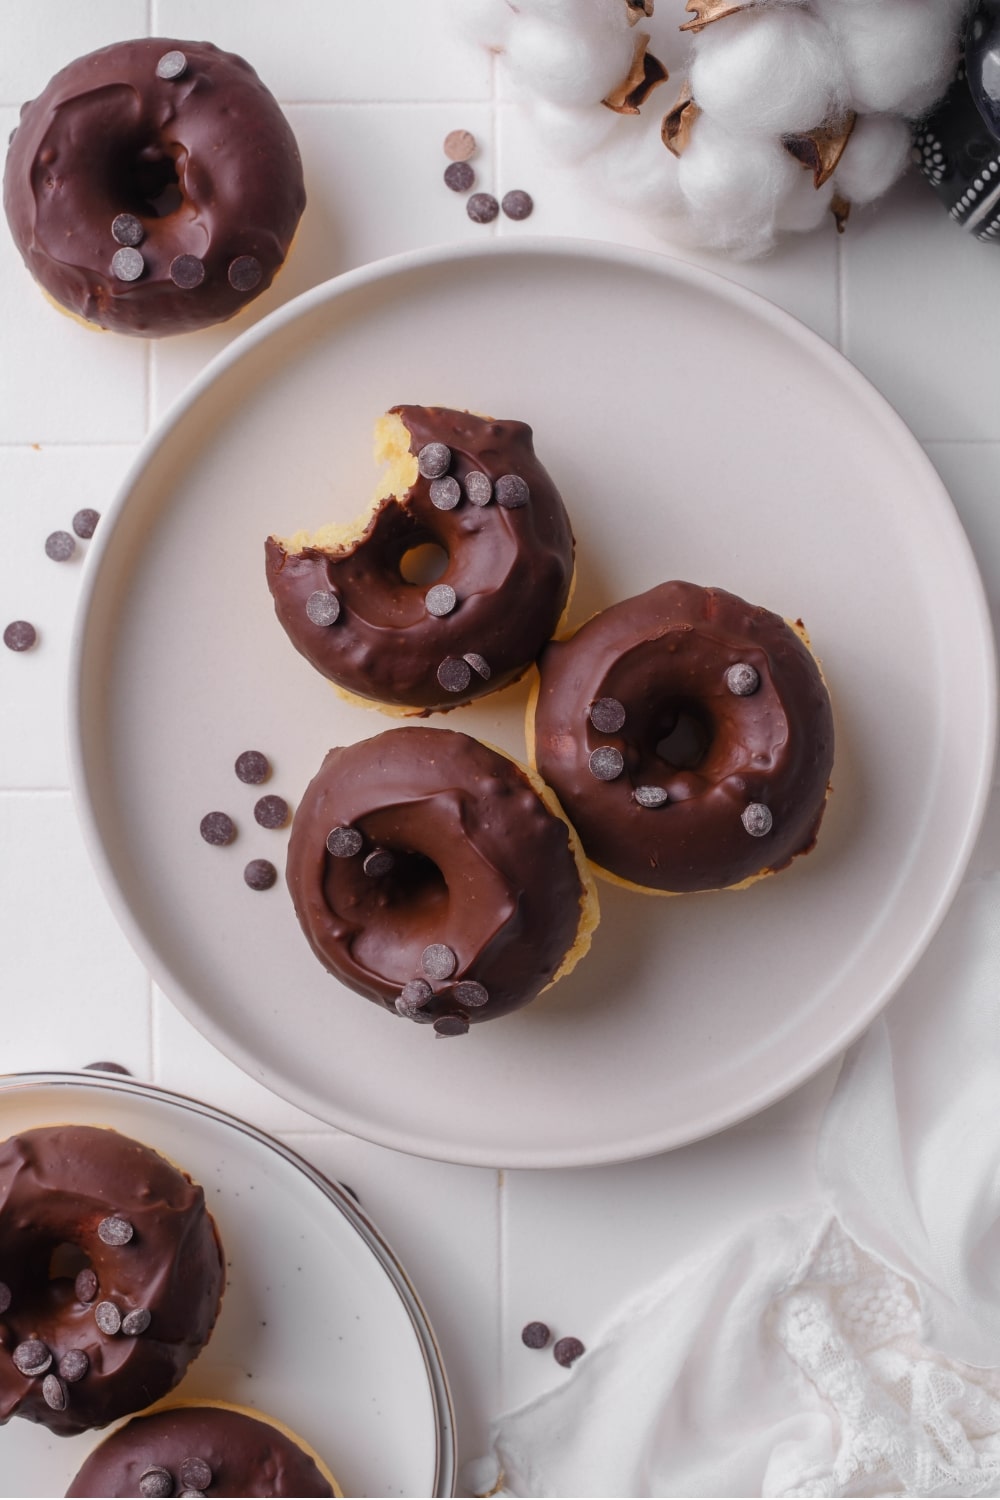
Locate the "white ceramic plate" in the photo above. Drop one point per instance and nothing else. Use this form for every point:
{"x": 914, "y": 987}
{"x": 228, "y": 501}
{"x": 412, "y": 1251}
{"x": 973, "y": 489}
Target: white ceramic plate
{"x": 696, "y": 432}
{"x": 319, "y": 1326}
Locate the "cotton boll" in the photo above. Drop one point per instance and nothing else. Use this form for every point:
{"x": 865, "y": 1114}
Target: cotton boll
{"x": 873, "y": 158}
{"x": 636, "y": 170}
{"x": 897, "y": 55}
{"x": 734, "y": 186}
{"x": 569, "y": 64}
{"x": 485, "y": 21}
{"x": 773, "y": 71}
{"x": 806, "y": 206}
{"x": 572, "y": 134}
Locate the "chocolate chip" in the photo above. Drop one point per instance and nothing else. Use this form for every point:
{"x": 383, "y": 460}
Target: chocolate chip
{"x": 606, "y": 763}
{"x": 445, "y": 493}
{"x": 517, "y": 204}
{"x": 454, "y": 674}
{"x": 607, "y": 715}
{"x": 60, "y": 546}
{"x": 260, "y": 874}
{"x": 512, "y": 492}
{"x": 128, "y": 230}
{"x": 32, "y": 1358}
{"x": 742, "y": 679}
{"x": 479, "y": 664}
{"x": 171, "y": 65}
{"x": 127, "y": 264}
{"x": 106, "y": 1067}
{"x": 451, "y": 1025}
{"x": 136, "y": 1321}
{"x": 566, "y": 1351}
{"x": 245, "y": 273}
{"x": 535, "y": 1335}
{"x": 459, "y": 145}
{"x": 5, "y": 1297}
{"x": 344, "y": 842}
{"x": 468, "y": 992}
{"x": 479, "y": 487}
{"x": 74, "y": 1365}
{"x": 482, "y": 208}
{"x": 459, "y": 176}
{"x": 187, "y": 272}
{"x": 414, "y": 995}
{"x": 440, "y": 600}
{"x": 433, "y": 460}
{"x": 217, "y": 828}
{"x": 271, "y": 811}
{"x": 438, "y": 961}
{"x": 115, "y": 1231}
{"x": 378, "y": 862}
{"x": 20, "y": 635}
{"x": 85, "y": 523}
{"x": 85, "y": 1285}
{"x": 757, "y": 819}
{"x": 323, "y": 607}
{"x": 650, "y": 796}
{"x": 54, "y": 1393}
{"x": 196, "y": 1474}
{"x": 108, "y": 1318}
{"x": 156, "y": 1481}
{"x": 252, "y": 767}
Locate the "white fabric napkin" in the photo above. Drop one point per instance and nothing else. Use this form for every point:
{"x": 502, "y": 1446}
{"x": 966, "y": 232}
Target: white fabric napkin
{"x": 848, "y": 1350}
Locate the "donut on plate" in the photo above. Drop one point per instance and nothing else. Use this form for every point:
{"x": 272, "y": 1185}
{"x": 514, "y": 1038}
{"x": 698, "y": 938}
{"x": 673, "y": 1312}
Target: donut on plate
{"x": 689, "y": 737}
{"x": 438, "y": 878}
{"x": 154, "y": 187}
{"x": 111, "y": 1276}
{"x": 471, "y": 488}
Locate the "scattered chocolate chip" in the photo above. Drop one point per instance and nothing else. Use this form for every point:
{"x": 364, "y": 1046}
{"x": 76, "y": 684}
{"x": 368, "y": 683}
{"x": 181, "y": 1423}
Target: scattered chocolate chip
{"x": 128, "y": 230}
{"x": 433, "y": 460}
{"x": 415, "y": 994}
{"x": 344, "y": 842}
{"x": 60, "y": 546}
{"x": 517, "y": 204}
{"x": 85, "y": 1285}
{"x": 32, "y": 1358}
{"x": 440, "y": 600}
{"x": 535, "y": 1335}
{"x": 20, "y": 635}
{"x": 566, "y": 1351}
{"x": 85, "y": 523}
{"x": 323, "y": 607}
{"x": 217, "y": 828}
{"x": 459, "y": 145}
{"x": 252, "y": 767}
{"x": 742, "y": 679}
{"x": 115, "y": 1231}
{"x": 108, "y": 1318}
{"x": 5, "y": 1297}
{"x": 187, "y": 272}
{"x": 757, "y": 819}
{"x": 136, "y": 1321}
{"x": 74, "y": 1365}
{"x": 512, "y": 492}
{"x": 469, "y": 992}
{"x": 260, "y": 874}
{"x": 245, "y": 273}
{"x": 454, "y": 674}
{"x": 196, "y": 1474}
{"x": 445, "y": 493}
{"x": 606, "y": 763}
{"x": 479, "y": 664}
{"x": 127, "y": 264}
{"x": 451, "y": 1026}
{"x": 379, "y": 862}
{"x": 607, "y": 715}
{"x": 156, "y": 1482}
{"x": 171, "y": 65}
{"x": 106, "y": 1067}
{"x": 479, "y": 487}
{"x": 650, "y": 796}
{"x": 54, "y": 1393}
{"x": 482, "y": 208}
{"x": 459, "y": 176}
{"x": 438, "y": 961}
{"x": 271, "y": 811}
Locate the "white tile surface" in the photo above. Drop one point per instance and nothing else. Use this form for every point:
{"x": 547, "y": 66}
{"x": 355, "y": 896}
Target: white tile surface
{"x": 42, "y": 36}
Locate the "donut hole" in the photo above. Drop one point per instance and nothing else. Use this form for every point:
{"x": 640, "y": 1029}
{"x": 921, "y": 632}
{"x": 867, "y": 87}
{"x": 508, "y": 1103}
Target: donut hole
{"x": 67, "y": 1261}
{"x": 401, "y": 913}
{"x": 145, "y": 180}
{"x": 685, "y": 734}
{"x": 423, "y": 564}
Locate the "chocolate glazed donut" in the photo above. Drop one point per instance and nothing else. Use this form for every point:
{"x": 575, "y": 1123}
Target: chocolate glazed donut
{"x": 431, "y": 876}
{"x": 154, "y": 186}
{"x": 111, "y": 1276}
{"x": 474, "y": 488}
{"x": 689, "y": 737}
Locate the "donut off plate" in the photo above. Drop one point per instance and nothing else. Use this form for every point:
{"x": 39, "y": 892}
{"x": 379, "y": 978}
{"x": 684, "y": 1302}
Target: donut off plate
{"x": 695, "y": 432}
{"x": 319, "y": 1326}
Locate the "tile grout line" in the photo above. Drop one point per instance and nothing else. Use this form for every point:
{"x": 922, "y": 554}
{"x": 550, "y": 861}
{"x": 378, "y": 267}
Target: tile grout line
{"x": 841, "y": 294}
{"x": 501, "y": 1282}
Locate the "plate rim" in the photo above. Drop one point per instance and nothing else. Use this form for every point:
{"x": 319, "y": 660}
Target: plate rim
{"x": 445, "y": 1438}
{"x": 618, "y": 256}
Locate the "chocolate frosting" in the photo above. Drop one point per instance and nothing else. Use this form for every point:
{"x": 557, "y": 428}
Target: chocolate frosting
{"x": 246, "y": 1456}
{"x": 56, "y": 1186}
{"x": 511, "y": 571}
{"x": 664, "y": 653}
{"x": 481, "y": 865}
{"x": 106, "y": 136}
